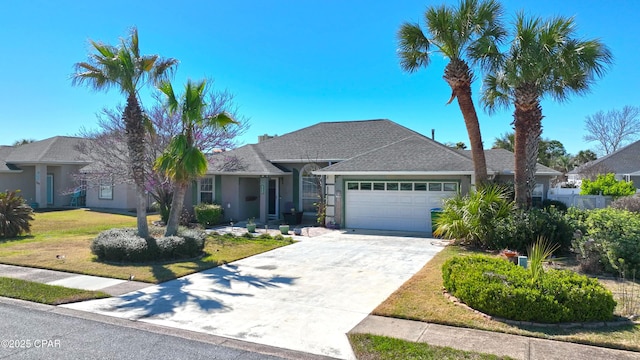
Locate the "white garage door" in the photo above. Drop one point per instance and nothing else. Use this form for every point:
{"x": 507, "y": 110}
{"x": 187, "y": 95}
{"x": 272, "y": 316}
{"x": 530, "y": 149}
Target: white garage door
{"x": 394, "y": 205}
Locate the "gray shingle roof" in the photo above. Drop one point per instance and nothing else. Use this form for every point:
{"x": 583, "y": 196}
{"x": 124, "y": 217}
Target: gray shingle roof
{"x": 503, "y": 162}
{"x": 55, "y": 150}
{"x": 413, "y": 154}
{"x": 4, "y": 153}
{"x": 245, "y": 160}
{"x": 623, "y": 161}
{"x": 333, "y": 140}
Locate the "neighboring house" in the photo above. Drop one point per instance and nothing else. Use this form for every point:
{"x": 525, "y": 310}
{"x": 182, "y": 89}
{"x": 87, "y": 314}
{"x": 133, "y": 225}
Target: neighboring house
{"x": 624, "y": 163}
{"x": 374, "y": 174}
{"x": 42, "y": 170}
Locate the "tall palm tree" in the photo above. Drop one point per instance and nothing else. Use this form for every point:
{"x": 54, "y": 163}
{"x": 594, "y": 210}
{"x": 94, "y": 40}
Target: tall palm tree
{"x": 469, "y": 33}
{"x": 124, "y": 68}
{"x": 182, "y": 161}
{"x": 545, "y": 59}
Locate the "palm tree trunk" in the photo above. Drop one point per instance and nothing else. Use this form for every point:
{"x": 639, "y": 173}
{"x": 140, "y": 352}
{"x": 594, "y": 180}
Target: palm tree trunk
{"x": 176, "y": 208}
{"x": 520, "y": 150}
{"x": 475, "y": 138}
{"x": 458, "y": 75}
{"x": 133, "y": 120}
{"x": 533, "y": 143}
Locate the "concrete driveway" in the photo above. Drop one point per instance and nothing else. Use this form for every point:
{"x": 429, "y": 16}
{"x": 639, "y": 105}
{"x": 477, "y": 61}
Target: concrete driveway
{"x": 304, "y": 297}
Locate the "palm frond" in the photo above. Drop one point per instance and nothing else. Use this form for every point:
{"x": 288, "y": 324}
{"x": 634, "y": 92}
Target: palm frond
{"x": 413, "y": 47}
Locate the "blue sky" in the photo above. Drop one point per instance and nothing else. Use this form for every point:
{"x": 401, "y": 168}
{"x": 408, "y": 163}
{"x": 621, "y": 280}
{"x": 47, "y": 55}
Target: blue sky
{"x": 289, "y": 63}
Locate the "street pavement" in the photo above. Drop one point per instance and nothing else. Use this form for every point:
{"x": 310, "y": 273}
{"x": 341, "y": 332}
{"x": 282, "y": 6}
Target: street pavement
{"x": 35, "y": 331}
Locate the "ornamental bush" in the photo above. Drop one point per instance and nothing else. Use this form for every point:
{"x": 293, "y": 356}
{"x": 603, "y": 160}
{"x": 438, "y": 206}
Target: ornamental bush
{"x": 629, "y": 203}
{"x": 521, "y": 229}
{"x": 500, "y": 288}
{"x": 208, "y": 214}
{"x": 607, "y": 185}
{"x": 608, "y": 236}
{"x": 15, "y": 214}
{"x": 124, "y": 245}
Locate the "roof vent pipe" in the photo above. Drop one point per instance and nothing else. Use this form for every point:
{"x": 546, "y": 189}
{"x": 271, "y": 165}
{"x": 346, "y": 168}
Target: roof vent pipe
{"x": 433, "y": 134}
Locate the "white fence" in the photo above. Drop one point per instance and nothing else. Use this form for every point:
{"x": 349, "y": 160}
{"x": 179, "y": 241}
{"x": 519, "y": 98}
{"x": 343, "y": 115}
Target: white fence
{"x": 581, "y": 201}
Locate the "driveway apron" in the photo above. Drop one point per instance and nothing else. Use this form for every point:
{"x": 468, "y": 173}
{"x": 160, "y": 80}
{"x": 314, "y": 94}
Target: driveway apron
{"x": 305, "y": 296}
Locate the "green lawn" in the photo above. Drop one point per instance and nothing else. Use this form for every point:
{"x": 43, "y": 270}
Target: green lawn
{"x": 45, "y": 294}
{"x": 69, "y": 233}
{"x": 367, "y": 346}
{"x": 421, "y": 299}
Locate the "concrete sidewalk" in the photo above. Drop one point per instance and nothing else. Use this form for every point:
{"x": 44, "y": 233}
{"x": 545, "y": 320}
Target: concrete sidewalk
{"x": 488, "y": 342}
{"x": 113, "y": 287}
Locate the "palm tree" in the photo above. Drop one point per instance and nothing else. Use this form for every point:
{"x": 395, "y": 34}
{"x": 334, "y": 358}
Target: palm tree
{"x": 470, "y": 32}
{"x": 124, "y": 68}
{"x": 544, "y": 59}
{"x": 504, "y": 142}
{"x": 182, "y": 161}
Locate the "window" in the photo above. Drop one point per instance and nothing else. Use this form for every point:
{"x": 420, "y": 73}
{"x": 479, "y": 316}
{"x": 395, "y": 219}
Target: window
{"x": 365, "y": 186}
{"x": 206, "y": 190}
{"x": 310, "y": 187}
{"x": 392, "y": 186}
{"x": 106, "y": 189}
{"x": 450, "y": 187}
{"x": 536, "y": 195}
{"x": 406, "y": 186}
{"x": 378, "y": 186}
{"x": 435, "y": 186}
{"x": 420, "y": 187}
{"x": 353, "y": 186}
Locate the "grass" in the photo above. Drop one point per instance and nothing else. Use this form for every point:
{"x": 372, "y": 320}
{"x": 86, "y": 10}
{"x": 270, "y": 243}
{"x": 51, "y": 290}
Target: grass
{"x": 421, "y": 299}
{"x": 69, "y": 233}
{"x": 369, "y": 347}
{"x": 45, "y": 294}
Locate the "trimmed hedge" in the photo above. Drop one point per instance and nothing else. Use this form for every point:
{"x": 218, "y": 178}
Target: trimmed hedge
{"x": 208, "y": 214}
{"x": 500, "y": 288}
{"x": 124, "y": 245}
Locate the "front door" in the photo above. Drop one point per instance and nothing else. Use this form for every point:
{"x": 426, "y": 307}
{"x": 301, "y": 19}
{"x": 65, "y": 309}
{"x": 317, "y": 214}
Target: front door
{"x": 49, "y": 189}
{"x": 273, "y": 198}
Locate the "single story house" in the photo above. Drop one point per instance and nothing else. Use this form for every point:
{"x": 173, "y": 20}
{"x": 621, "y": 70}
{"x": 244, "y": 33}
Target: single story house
{"x": 42, "y": 170}
{"x": 624, "y": 163}
{"x": 372, "y": 174}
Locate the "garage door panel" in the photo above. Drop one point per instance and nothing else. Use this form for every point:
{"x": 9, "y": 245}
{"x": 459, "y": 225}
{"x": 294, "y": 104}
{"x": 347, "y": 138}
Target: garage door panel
{"x": 392, "y": 210}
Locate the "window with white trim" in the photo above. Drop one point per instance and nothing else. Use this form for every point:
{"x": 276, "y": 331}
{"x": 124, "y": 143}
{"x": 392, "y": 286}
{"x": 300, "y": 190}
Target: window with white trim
{"x": 105, "y": 191}
{"x": 431, "y": 186}
{"x": 205, "y": 190}
{"x": 310, "y": 188}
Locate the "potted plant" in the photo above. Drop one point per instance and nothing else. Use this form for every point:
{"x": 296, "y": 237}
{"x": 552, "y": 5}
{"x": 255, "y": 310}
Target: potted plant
{"x": 251, "y": 225}
{"x": 284, "y": 229}
{"x": 293, "y": 217}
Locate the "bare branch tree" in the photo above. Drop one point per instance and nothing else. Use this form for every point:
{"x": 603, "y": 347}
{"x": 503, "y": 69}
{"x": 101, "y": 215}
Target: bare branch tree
{"x": 107, "y": 145}
{"x": 613, "y": 129}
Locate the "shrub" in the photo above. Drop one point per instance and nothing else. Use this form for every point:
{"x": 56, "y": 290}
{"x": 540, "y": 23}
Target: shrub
{"x": 609, "y": 235}
{"x": 607, "y": 185}
{"x": 497, "y": 287}
{"x": 15, "y": 215}
{"x": 521, "y": 229}
{"x": 557, "y": 204}
{"x": 208, "y": 214}
{"x": 124, "y": 245}
{"x": 471, "y": 219}
{"x": 629, "y": 203}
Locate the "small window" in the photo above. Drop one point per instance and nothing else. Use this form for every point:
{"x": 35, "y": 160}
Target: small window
{"x": 378, "y": 186}
{"x": 206, "y": 190}
{"x": 435, "y": 186}
{"x": 106, "y": 189}
{"x": 450, "y": 187}
{"x": 406, "y": 186}
{"x": 392, "y": 186}
{"x": 420, "y": 186}
{"x": 365, "y": 186}
{"x": 352, "y": 186}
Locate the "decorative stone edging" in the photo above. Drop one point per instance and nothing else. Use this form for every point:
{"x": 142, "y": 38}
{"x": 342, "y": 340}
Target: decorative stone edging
{"x": 571, "y": 325}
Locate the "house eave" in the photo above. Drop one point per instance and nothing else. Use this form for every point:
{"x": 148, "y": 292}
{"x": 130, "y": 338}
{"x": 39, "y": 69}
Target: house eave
{"x": 247, "y": 173}
{"x": 304, "y": 161}
{"x": 392, "y": 173}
